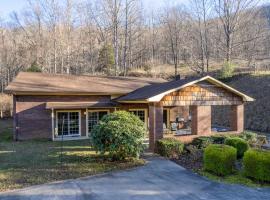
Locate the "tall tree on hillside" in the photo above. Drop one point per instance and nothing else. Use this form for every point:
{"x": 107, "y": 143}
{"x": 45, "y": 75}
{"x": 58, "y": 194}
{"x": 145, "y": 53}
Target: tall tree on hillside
{"x": 232, "y": 14}
{"x": 174, "y": 19}
{"x": 130, "y": 15}
{"x": 202, "y": 10}
{"x": 52, "y": 18}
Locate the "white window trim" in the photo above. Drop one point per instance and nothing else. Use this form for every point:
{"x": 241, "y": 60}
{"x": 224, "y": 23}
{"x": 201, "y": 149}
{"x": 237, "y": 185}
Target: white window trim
{"x": 145, "y": 114}
{"x": 87, "y": 114}
{"x": 68, "y": 111}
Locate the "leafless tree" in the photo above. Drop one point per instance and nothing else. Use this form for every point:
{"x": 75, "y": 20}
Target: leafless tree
{"x": 233, "y": 14}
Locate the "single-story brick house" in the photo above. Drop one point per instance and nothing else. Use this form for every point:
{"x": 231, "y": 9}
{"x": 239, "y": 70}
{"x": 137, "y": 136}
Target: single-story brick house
{"x": 53, "y": 105}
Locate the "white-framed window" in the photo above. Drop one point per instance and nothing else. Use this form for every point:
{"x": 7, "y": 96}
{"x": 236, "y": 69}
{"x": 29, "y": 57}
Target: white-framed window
{"x": 68, "y": 123}
{"x": 93, "y": 117}
{"x": 141, "y": 113}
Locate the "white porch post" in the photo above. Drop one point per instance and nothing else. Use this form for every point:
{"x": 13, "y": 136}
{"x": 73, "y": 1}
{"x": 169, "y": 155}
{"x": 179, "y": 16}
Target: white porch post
{"x": 53, "y": 135}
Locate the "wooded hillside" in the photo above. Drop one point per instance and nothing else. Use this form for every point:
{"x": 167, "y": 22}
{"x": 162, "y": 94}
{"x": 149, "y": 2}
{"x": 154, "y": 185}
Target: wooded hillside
{"x": 118, "y": 37}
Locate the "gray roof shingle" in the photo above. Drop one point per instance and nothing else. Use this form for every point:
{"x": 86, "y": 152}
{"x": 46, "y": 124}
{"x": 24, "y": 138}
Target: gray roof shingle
{"x": 27, "y": 82}
{"x": 155, "y": 89}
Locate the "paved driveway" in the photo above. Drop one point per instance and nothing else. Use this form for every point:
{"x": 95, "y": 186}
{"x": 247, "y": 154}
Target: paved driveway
{"x": 159, "y": 179}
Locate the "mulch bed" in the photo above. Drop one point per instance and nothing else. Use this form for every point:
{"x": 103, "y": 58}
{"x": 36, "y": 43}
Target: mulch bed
{"x": 191, "y": 161}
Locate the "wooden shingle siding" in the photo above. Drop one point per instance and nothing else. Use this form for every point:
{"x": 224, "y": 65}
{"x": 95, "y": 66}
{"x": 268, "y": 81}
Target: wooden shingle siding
{"x": 201, "y": 94}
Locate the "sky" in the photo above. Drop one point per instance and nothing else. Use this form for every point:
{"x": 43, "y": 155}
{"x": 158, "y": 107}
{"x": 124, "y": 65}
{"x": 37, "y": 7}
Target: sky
{"x": 8, "y": 6}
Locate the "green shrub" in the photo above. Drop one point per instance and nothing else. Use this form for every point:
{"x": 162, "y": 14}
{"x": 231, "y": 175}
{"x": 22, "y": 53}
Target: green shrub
{"x": 257, "y": 164}
{"x": 227, "y": 70}
{"x": 240, "y": 144}
{"x": 219, "y": 159}
{"x": 254, "y": 139}
{"x": 218, "y": 139}
{"x": 169, "y": 147}
{"x": 249, "y": 136}
{"x": 120, "y": 134}
{"x": 34, "y": 68}
{"x": 202, "y": 142}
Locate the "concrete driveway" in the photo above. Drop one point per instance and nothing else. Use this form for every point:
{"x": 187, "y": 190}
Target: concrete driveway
{"x": 159, "y": 179}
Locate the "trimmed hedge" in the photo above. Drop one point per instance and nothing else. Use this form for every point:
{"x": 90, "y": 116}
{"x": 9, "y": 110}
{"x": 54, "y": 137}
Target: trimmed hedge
{"x": 170, "y": 147}
{"x": 219, "y": 159}
{"x": 240, "y": 144}
{"x": 257, "y": 164}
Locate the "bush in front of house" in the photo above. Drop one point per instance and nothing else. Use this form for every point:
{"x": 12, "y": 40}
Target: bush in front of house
{"x": 170, "y": 147}
{"x": 249, "y": 136}
{"x": 202, "y": 142}
{"x": 120, "y": 134}
{"x": 240, "y": 144}
{"x": 254, "y": 139}
{"x": 257, "y": 164}
{"x": 219, "y": 159}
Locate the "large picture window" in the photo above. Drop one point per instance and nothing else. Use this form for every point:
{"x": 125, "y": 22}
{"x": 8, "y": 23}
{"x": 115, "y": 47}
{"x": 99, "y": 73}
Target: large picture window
{"x": 94, "y": 117}
{"x": 68, "y": 123}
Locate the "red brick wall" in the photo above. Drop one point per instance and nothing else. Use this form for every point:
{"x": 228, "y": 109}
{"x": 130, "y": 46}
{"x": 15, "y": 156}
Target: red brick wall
{"x": 34, "y": 121}
{"x": 201, "y": 120}
{"x": 155, "y": 124}
{"x": 237, "y": 118}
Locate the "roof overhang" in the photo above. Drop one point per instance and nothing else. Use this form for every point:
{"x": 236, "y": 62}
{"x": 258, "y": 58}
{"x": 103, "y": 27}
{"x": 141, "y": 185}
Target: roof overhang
{"x": 62, "y": 93}
{"x": 133, "y": 101}
{"x": 212, "y": 80}
{"x": 79, "y": 105}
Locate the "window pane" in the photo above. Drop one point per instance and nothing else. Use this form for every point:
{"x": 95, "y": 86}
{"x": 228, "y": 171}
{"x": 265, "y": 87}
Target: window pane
{"x": 92, "y": 120}
{"x": 62, "y": 123}
{"x": 139, "y": 113}
{"x": 71, "y": 125}
{"x": 74, "y": 125}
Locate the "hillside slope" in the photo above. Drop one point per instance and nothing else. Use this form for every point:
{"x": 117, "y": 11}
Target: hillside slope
{"x": 257, "y": 113}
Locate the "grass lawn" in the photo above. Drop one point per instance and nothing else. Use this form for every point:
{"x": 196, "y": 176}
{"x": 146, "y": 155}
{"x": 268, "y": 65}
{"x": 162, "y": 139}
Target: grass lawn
{"x": 237, "y": 178}
{"x": 35, "y": 162}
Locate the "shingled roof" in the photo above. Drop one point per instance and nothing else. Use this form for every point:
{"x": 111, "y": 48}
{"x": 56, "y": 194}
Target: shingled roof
{"x": 29, "y": 82}
{"x": 154, "y": 93}
{"x": 132, "y": 89}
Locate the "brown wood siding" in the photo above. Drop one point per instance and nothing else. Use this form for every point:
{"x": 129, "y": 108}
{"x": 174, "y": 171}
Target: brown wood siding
{"x": 201, "y": 94}
{"x": 34, "y": 121}
{"x": 128, "y": 106}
